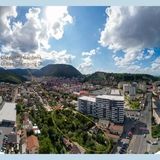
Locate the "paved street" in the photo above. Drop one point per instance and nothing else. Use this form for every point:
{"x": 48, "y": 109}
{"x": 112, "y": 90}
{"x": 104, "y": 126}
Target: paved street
{"x": 141, "y": 122}
{"x": 15, "y": 94}
{"x": 139, "y": 143}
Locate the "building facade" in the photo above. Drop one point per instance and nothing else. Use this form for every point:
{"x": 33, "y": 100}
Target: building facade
{"x": 108, "y": 107}
{"x": 87, "y": 105}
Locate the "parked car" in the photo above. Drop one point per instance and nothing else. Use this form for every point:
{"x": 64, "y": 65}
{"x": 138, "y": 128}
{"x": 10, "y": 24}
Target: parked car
{"x": 148, "y": 141}
{"x": 155, "y": 143}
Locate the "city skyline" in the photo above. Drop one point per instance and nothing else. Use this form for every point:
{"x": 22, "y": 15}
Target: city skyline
{"x": 110, "y": 39}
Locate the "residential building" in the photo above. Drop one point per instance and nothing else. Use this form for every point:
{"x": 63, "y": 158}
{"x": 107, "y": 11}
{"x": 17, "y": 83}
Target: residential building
{"x": 116, "y": 129}
{"x": 156, "y": 86}
{"x": 115, "y": 92}
{"x": 120, "y": 85}
{"x": 108, "y": 107}
{"x": 87, "y": 105}
{"x": 156, "y": 115}
{"x": 156, "y": 110}
{"x": 132, "y": 92}
{"x": 32, "y": 144}
{"x": 142, "y": 86}
{"x": 126, "y": 88}
{"x": 130, "y": 89}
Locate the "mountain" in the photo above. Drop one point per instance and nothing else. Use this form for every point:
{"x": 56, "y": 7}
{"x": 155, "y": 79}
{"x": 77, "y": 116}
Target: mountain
{"x": 26, "y": 72}
{"x": 60, "y": 70}
{"x": 56, "y": 70}
{"x": 7, "y": 76}
{"x": 104, "y": 78}
{"x": 68, "y": 71}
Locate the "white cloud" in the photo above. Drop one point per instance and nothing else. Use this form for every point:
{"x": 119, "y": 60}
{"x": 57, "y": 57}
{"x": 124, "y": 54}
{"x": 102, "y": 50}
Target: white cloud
{"x": 57, "y": 22}
{"x": 131, "y": 30}
{"x": 87, "y": 64}
{"x": 58, "y": 57}
{"x": 156, "y": 64}
{"x": 5, "y": 29}
{"x": 33, "y": 35}
{"x": 90, "y": 53}
{"x": 150, "y": 53}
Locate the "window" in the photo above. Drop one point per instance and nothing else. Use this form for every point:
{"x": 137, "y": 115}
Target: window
{"x": 104, "y": 112}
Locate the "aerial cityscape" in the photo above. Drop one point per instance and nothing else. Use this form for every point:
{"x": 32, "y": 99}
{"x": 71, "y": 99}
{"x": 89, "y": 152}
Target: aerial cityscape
{"x": 79, "y": 80}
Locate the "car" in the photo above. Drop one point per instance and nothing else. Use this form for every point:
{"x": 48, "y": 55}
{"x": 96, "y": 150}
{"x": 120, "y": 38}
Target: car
{"x": 148, "y": 141}
{"x": 122, "y": 151}
{"x": 154, "y": 143}
{"x": 3, "y": 148}
{"x": 125, "y": 144}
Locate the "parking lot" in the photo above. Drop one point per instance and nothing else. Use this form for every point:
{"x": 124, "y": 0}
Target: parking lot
{"x": 4, "y": 131}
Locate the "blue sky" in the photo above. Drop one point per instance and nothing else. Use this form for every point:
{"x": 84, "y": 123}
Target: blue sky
{"x": 110, "y": 39}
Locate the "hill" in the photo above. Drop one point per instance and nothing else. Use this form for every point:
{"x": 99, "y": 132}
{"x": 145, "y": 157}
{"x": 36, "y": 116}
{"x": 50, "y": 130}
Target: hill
{"x": 68, "y": 71}
{"x": 7, "y": 76}
{"x": 26, "y": 72}
{"x": 56, "y": 70}
{"x": 103, "y": 78}
{"x": 60, "y": 70}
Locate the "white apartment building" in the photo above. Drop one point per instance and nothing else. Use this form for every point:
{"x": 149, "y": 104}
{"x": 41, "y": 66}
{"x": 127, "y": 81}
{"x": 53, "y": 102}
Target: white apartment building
{"x": 108, "y": 107}
{"x": 132, "y": 90}
{"x": 87, "y": 105}
{"x": 126, "y": 88}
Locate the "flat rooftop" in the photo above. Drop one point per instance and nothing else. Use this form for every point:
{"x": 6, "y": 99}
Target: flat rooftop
{"x": 8, "y": 112}
{"x": 115, "y": 92}
{"x": 87, "y": 98}
{"x": 111, "y": 97}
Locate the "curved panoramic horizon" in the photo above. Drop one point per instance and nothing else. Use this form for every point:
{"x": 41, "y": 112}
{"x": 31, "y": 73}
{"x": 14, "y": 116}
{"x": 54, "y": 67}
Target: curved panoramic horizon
{"x": 109, "y": 39}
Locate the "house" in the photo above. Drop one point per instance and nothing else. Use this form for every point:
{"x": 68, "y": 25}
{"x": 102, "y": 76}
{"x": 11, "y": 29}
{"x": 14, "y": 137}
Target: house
{"x": 116, "y": 129}
{"x": 77, "y": 149}
{"x": 32, "y": 144}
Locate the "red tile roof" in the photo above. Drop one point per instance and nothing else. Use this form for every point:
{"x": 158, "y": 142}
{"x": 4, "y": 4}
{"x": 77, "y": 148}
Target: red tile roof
{"x": 32, "y": 141}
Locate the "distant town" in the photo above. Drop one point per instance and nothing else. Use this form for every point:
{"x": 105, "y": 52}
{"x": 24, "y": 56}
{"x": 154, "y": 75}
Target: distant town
{"x": 52, "y": 114}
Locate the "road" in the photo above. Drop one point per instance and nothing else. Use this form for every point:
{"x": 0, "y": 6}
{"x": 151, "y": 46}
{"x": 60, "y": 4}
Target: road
{"x": 43, "y": 101}
{"x": 138, "y": 144}
{"x": 15, "y": 94}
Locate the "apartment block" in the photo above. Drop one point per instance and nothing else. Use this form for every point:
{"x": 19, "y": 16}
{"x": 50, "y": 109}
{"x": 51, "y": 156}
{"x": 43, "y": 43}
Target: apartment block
{"x": 108, "y": 107}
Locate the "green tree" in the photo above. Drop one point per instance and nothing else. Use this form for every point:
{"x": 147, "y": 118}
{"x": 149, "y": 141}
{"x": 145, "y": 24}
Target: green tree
{"x": 45, "y": 146}
{"x": 19, "y": 108}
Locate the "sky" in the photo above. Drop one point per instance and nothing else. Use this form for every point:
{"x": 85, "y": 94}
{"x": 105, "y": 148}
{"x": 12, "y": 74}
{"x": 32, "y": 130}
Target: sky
{"x": 110, "y": 39}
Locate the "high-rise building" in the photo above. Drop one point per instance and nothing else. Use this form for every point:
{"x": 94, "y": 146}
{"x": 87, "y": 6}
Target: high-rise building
{"x": 132, "y": 91}
{"x": 109, "y": 107}
{"x": 87, "y": 105}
